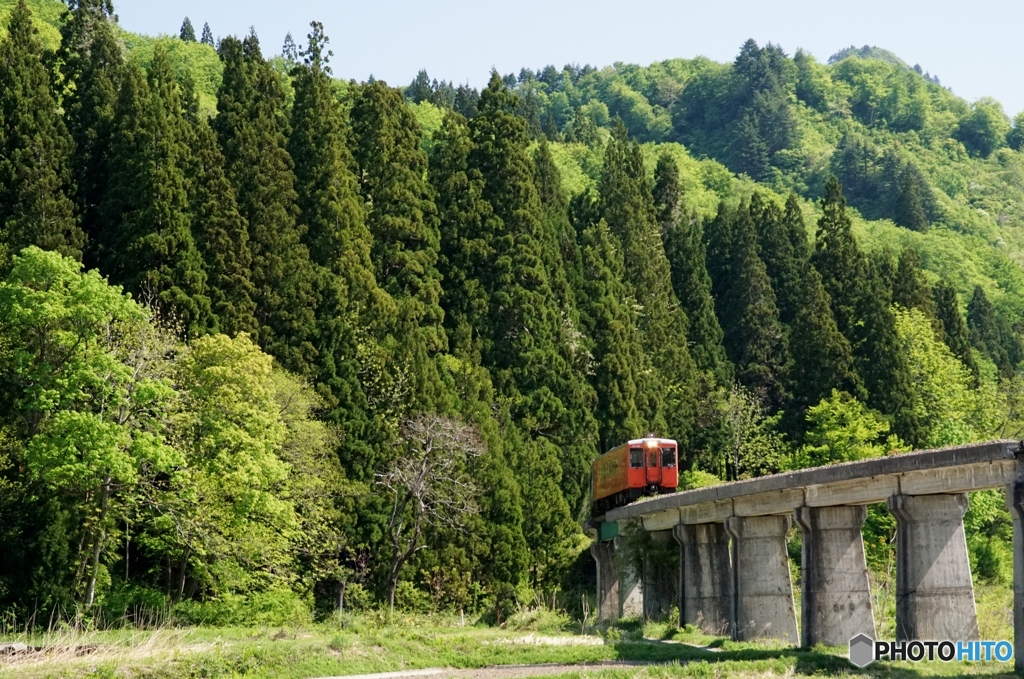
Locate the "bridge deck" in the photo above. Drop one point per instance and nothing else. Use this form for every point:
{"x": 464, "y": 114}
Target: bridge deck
{"x": 945, "y": 470}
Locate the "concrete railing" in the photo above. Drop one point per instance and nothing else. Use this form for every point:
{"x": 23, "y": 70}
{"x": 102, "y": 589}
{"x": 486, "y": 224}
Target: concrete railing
{"x": 734, "y": 575}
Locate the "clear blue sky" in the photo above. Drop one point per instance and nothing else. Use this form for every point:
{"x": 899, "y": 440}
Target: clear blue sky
{"x": 974, "y": 47}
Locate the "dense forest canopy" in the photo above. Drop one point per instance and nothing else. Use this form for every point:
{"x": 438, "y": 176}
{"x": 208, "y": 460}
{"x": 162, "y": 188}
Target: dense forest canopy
{"x": 272, "y": 341}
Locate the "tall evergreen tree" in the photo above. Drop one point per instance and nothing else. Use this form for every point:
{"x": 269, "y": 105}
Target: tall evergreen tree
{"x": 468, "y": 229}
{"x": 35, "y": 178}
{"x": 90, "y": 57}
{"x": 332, "y": 215}
{"x": 840, "y": 262}
{"x": 466, "y": 99}
{"x": 401, "y": 214}
{"x": 349, "y": 301}
{"x": 751, "y": 152}
{"x": 718, "y": 236}
{"x": 986, "y": 335}
{"x": 252, "y": 131}
{"x": 785, "y": 269}
{"x": 823, "y": 358}
{"x": 402, "y": 220}
{"x": 220, "y": 231}
{"x": 187, "y": 32}
{"x": 207, "y": 38}
{"x": 668, "y": 193}
{"x": 754, "y": 338}
{"x": 909, "y": 288}
{"x": 685, "y": 249}
{"x": 860, "y": 305}
{"x": 147, "y": 223}
{"x": 560, "y": 257}
{"x": 526, "y": 348}
{"x": 619, "y": 360}
{"x": 628, "y": 207}
{"x": 909, "y": 208}
{"x": 954, "y": 329}
{"x": 794, "y": 226}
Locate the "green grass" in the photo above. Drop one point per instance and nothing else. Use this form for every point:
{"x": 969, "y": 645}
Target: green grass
{"x": 366, "y": 643}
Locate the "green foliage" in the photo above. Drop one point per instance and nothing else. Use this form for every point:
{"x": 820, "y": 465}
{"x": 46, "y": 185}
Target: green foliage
{"x": 223, "y": 522}
{"x": 35, "y": 177}
{"x": 187, "y": 32}
{"x": 695, "y": 478}
{"x": 985, "y": 129}
{"x": 510, "y": 259}
{"x": 823, "y": 358}
{"x": 89, "y": 396}
{"x": 220, "y": 231}
{"x": 273, "y": 608}
{"x": 147, "y": 243}
{"x": 90, "y": 56}
{"x": 989, "y": 530}
{"x": 948, "y": 409}
{"x": 954, "y": 328}
{"x": 47, "y": 16}
{"x": 628, "y": 208}
{"x": 860, "y": 305}
{"x": 842, "y": 429}
{"x": 251, "y": 132}
{"x": 755, "y": 448}
{"x": 991, "y": 335}
{"x": 332, "y": 217}
{"x": 526, "y": 346}
{"x": 619, "y": 359}
{"x": 686, "y": 252}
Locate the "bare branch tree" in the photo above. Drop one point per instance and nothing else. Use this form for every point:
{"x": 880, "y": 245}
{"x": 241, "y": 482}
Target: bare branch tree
{"x": 428, "y": 485}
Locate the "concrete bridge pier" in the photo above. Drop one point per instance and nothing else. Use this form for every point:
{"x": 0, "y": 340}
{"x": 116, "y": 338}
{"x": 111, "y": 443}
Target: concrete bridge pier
{"x": 1015, "y": 503}
{"x": 934, "y": 593}
{"x": 706, "y": 577}
{"x": 619, "y": 593}
{"x": 763, "y": 603}
{"x": 660, "y": 578}
{"x": 836, "y": 597}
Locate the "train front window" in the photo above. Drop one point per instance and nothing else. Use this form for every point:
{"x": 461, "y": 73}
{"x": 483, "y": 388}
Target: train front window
{"x": 636, "y": 457}
{"x": 652, "y": 458}
{"x": 668, "y": 457}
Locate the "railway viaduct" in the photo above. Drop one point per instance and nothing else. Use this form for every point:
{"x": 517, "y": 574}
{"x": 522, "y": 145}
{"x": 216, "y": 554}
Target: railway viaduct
{"x": 734, "y": 577}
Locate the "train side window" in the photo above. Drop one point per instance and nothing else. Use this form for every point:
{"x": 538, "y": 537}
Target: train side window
{"x": 668, "y": 457}
{"x": 636, "y": 457}
{"x": 652, "y": 458}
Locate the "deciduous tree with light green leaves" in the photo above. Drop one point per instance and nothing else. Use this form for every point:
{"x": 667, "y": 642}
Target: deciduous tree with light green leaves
{"x": 949, "y": 410}
{"x": 842, "y": 429}
{"x": 89, "y": 389}
{"x": 221, "y": 521}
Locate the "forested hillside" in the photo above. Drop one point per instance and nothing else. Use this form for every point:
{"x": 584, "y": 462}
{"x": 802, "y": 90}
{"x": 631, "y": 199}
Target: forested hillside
{"x": 272, "y": 343}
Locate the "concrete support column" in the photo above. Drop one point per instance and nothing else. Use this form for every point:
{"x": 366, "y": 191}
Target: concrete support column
{"x": 607, "y": 581}
{"x": 706, "y": 577}
{"x": 660, "y": 579}
{"x": 619, "y": 593}
{"x": 763, "y": 603}
{"x": 836, "y": 597}
{"x": 934, "y": 593}
{"x": 1015, "y": 503}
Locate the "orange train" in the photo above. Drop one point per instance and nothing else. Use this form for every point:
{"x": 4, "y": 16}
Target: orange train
{"x": 646, "y": 466}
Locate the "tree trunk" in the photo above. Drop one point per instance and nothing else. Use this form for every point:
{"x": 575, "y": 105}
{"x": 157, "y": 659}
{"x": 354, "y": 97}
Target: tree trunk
{"x": 182, "y": 574}
{"x": 392, "y": 586}
{"x": 97, "y": 547}
{"x": 341, "y": 602}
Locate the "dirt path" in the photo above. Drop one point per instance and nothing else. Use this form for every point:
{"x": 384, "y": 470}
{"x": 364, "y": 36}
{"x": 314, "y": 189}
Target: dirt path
{"x": 496, "y": 671}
